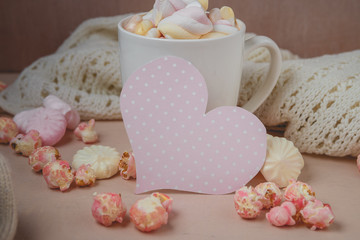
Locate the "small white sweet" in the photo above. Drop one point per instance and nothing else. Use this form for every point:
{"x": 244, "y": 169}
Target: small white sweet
{"x": 283, "y": 161}
{"x": 104, "y": 160}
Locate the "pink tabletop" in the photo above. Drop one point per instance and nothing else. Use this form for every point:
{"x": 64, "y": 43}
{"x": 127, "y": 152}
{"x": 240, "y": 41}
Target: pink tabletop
{"x": 50, "y": 214}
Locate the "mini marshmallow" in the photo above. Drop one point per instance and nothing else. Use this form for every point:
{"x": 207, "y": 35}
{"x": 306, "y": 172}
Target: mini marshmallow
{"x": 26, "y": 144}
{"x": 43, "y": 155}
{"x": 187, "y": 23}
{"x": 127, "y": 166}
{"x": 247, "y": 202}
{"x": 317, "y": 215}
{"x": 108, "y": 208}
{"x": 8, "y": 129}
{"x": 86, "y": 132}
{"x": 282, "y": 215}
{"x": 153, "y": 33}
{"x": 270, "y": 194}
{"x": 58, "y": 174}
{"x": 299, "y": 194}
{"x": 150, "y": 213}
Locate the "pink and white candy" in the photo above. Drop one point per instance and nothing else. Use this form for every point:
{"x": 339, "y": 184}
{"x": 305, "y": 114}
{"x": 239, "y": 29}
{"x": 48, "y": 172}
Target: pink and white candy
{"x": 317, "y": 215}
{"x": 85, "y": 176}
{"x": 299, "y": 193}
{"x": 247, "y": 202}
{"x": 43, "y": 155}
{"x": 58, "y": 174}
{"x": 8, "y": 129}
{"x": 282, "y": 215}
{"x": 26, "y": 144}
{"x": 86, "y": 132}
{"x": 108, "y": 208}
{"x": 270, "y": 194}
{"x": 151, "y": 213}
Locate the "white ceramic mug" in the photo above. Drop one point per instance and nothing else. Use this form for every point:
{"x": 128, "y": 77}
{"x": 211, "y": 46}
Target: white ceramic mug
{"x": 220, "y": 61}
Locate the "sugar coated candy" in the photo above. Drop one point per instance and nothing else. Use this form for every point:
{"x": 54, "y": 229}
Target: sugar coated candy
{"x": 108, "y": 208}
{"x": 26, "y": 144}
{"x": 58, "y": 174}
{"x": 8, "y": 129}
{"x": 43, "y": 155}
{"x": 151, "y": 213}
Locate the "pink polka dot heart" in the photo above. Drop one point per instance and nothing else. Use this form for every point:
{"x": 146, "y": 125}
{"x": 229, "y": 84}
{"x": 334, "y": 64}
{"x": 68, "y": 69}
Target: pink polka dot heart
{"x": 177, "y": 145}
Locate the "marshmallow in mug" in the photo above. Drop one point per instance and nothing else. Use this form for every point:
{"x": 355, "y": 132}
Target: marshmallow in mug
{"x": 184, "y": 19}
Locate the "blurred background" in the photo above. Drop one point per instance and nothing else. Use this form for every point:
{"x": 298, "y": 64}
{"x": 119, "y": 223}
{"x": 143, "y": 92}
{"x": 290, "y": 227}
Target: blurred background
{"x": 30, "y": 29}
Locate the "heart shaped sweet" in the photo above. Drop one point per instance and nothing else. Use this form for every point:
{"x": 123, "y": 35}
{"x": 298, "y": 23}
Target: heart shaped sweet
{"x": 177, "y": 145}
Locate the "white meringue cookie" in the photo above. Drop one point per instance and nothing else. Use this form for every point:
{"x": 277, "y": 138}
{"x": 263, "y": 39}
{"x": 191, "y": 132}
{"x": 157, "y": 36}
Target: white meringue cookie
{"x": 283, "y": 161}
{"x": 187, "y": 23}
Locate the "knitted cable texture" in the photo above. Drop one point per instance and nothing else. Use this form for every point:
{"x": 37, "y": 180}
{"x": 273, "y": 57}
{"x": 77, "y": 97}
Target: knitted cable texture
{"x": 8, "y": 214}
{"x": 316, "y": 99}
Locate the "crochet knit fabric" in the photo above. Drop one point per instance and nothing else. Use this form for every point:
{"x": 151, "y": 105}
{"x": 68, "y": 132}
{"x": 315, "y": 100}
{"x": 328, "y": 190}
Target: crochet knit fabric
{"x": 8, "y": 214}
{"x": 315, "y": 99}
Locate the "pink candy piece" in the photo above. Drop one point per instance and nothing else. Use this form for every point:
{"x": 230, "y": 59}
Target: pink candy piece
{"x": 8, "y": 130}
{"x": 270, "y": 194}
{"x": 26, "y": 144}
{"x": 317, "y": 215}
{"x": 58, "y": 174}
{"x": 282, "y": 215}
{"x": 71, "y": 115}
{"x": 151, "y": 213}
{"x": 247, "y": 202}
{"x": 108, "y": 208}
{"x": 85, "y": 176}
{"x": 43, "y": 155}
{"x": 86, "y": 132}
{"x": 127, "y": 166}
{"x": 298, "y": 193}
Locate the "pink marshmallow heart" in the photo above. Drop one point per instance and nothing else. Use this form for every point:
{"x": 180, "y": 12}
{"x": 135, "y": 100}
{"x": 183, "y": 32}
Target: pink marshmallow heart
{"x": 71, "y": 115}
{"x": 179, "y": 146}
{"x": 22, "y": 118}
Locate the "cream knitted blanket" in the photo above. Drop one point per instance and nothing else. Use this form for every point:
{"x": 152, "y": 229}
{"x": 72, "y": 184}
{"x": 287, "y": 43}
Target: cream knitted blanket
{"x": 317, "y": 100}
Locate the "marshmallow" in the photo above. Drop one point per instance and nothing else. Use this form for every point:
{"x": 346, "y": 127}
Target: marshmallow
{"x": 213, "y": 35}
{"x": 153, "y": 33}
{"x": 187, "y": 23}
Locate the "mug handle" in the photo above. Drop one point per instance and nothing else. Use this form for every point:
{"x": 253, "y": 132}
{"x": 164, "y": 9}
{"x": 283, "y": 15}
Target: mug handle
{"x": 273, "y": 74}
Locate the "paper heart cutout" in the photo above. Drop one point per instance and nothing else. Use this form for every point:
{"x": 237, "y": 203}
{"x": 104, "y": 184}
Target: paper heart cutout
{"x": 177, "y": 145}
